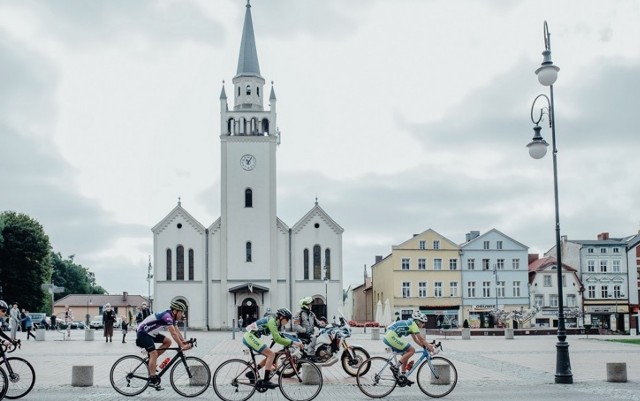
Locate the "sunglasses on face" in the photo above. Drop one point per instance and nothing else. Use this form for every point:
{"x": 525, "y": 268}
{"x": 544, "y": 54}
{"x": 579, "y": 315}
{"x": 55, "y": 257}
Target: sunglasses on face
{"x": 3, "y": 310}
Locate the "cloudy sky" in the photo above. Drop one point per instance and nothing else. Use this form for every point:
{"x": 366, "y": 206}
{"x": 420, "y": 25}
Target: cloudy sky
{"x": 398, "y": 115}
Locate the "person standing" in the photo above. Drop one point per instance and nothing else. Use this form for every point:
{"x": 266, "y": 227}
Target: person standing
{"x": 68, "y": 318}
{"x": 28, "y": 324}
{"x": 15, "y": 320}
{"x": 108, "y": 319}
{"x": 125, "y": 327}
{"x": 142, "y": 313}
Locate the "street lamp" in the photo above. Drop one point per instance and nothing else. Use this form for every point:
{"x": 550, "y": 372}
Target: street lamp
{"x": 89, "y": 302}
{"x": 326, "y": 293}
{"x": 616, "y": 294}
{"x": 149, "y": 278}
{"x": 547, "y": 75}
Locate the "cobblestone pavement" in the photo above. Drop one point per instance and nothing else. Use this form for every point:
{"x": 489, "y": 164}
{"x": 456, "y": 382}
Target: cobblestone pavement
{"x": 489, "y": 368}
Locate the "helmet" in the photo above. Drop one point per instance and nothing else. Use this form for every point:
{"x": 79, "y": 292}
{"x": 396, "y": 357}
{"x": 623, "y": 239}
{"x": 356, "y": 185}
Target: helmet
{"x": 284, "y": 312}
{"x": 3, "y": 305}
{"x": 419, "y": 316}
{"x": 178, "y": 305}
{"x": 305, "y": 302}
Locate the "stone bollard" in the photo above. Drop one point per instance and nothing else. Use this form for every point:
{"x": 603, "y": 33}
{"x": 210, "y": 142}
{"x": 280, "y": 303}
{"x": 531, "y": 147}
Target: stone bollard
{"x": 375, "y": 333}
{"x": 309, "y": 374}
{"x": 89, "y": 334}
{"x": 443, "y": 372}
{"x": 198, "y": 375}
{"x": 617, "y": 372}
{"x": 40, "y": 334}
{"x": 82, "y": 376}
{"x": 466, "y": 334}
{"x": 508, "y": 334}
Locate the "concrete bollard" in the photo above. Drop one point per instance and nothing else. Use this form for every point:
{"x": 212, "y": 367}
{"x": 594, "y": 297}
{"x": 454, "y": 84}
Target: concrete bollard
{"x": 375, "y": 333}
{"x": 40, "y": 334}
{"x": 617, "y": 372}
{"x": 443, "y": 372}
{"x": 466, "y": 334}
{"x": 309, "y": 375}
{"x": 82, "y": 376}
{"x": 508, "y": 334}
{"x": 89, "y": 334}
{"x": 198, "y": 375}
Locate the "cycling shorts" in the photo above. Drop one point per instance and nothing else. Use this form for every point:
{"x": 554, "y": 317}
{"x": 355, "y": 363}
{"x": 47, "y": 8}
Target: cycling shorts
{"x": 250, "y": 340}
{"x": 397, "y": 344}
{"x": 144, "y": 340}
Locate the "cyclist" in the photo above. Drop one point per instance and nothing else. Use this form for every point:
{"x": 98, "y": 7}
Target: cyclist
{"x": 304, "y": 324}
{"x": 402, "y": 328}
{"x": 4, "y": 308}
{"x": 269, "y": 325}
{"x": 148, "y": 334}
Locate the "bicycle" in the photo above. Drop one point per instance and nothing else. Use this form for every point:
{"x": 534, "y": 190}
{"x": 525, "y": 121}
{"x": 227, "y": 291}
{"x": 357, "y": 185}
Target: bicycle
{"x": 20, "y": 373}
{"x": 189, "y": 375}
{"x": 436, "y": 377}
{"x": 233, "y": 380}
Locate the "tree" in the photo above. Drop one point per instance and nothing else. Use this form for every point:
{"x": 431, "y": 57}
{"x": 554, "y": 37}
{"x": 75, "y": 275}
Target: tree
{"x": 25, "y": 260}
{"x": 75, "y": 278}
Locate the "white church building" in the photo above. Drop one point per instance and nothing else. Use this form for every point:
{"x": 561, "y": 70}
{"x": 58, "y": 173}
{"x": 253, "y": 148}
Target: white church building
{"x": 248, "y": 261}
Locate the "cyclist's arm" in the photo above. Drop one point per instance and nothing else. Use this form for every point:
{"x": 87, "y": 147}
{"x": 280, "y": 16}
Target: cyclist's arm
{"x": 275, "y": 334}
{"x": 6, "y": 337}
{"x": 177, "y": 337}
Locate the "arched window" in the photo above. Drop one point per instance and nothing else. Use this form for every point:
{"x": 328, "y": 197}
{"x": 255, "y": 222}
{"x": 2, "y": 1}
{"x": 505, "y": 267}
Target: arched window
{"x": 248, "y": 249}
{"x": 327, "y": 263}
{"x": 238, "y": 90}
{"x": 248, "y": 197}
{"x": 248, "y": 90}
{"x": 168, "y": 264}
{"x": 180, "y": 262}
{"x": 317, "y": 268}
{"x": 191, "y": 267}
{"x": 258, "y": 91}
{"x": 265, "y": 126}
{"x": 306, "y": 264}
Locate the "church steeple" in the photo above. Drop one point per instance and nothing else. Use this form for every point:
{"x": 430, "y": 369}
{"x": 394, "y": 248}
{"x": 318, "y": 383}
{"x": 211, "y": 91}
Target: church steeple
{"x": 248, "y": 60}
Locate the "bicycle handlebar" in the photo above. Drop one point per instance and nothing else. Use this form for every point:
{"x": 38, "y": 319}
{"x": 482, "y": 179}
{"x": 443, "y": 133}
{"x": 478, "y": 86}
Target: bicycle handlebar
{"x": 12, "y": 346}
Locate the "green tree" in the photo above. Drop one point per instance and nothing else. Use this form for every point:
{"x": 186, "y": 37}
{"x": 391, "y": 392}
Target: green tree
{"x": 75, "y": 278}
{"x": 25, "y": 260}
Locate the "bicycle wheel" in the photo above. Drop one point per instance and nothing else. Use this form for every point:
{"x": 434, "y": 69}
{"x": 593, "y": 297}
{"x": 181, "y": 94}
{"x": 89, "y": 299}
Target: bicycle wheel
{"x": 190, "y": 377}
{"x": 130, "y": 375}
{"x": 304, "y": 385}
{"x": 21, "y": 376}
{"x": 4, "y": 384}
{"x": 350, "y": 365}
{"x": 281, "y": 360}
{"x": 438, "y": 377}
{"x": 230, "y": 380}
{"x": 375, "y": 377}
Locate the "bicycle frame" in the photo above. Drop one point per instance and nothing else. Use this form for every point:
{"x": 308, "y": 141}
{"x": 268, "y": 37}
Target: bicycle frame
{"x": 284, "y": 351}
{"x": 424, "y": 355}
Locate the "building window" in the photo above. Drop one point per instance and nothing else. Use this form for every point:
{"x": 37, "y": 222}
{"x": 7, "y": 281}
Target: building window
{"x": 500, "y": 264}
{"x": 486, "y": 289}
{"x": 422, "y": 289}
{"x": 406, "y": 289}
{"x": 553, "y": 300}
{"x": 248, "y": 251}
{"x": 591, "y": 291}
{"x": 604, "y": 292}
{"x": 436, "y": 244}
{"x": 317, "y": 270}
{"x": 616, "y": 250}
{"x": 180, "y": 262}
{"x": 437, "y": 264}
{"x": 603, "y": 250}
{"x": 453, "y": 264}
{"x": 405, "y": 264}
{"x": 168, "y": 264}
{"x": 248, "y": 90}
{"x": 500, "y": 289}
{"x": 589, "y": 250}
{"x": 437, "y": 289}
{"x": 515, "y": 264}
{"x": 485, "y": 264}
{"x": 499, "y": 245}
{"x": 406, "y": 314}
{"x": 546, "y": 280}
{"x": 453, "y": 287}
{"x": 603, "y": 266}
{"x": 539, "y": 301}
{"x": 423, "y": 244}
{"x": 617, "y": 294}
{"x": 248, "y": 197}
{"x": 471, "y": 289}
{"x": 471, "y": 264}
{"x": 258, "y": 91}
{"x": 422, "y": 264}
{"x": 486, "y": 244}
{"x": 516, "y": 288}
{"x": 571, "y": 301}
{"x": 327, "y": 263}
{"x": 305, "y": 256}
{"x": 591, "y": 266}
{"x": 191, "y": 265}
{"x": 615, "y": 267}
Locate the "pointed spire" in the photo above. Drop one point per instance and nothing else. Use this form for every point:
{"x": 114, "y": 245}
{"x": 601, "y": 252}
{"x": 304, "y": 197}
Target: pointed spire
{"x": 179, "y": 201}
{"x": 272, "y": 96}
{"x": 223, "y": 94}
{"x": 248, "y": 59}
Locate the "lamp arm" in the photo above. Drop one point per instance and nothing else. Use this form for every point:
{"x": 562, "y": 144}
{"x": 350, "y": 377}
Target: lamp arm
{"x": 542, "y": 111}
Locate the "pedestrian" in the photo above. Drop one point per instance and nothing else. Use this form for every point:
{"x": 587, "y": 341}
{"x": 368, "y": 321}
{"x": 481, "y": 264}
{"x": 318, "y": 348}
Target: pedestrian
{"x": 108, "y": 319}
{"x": 22, "y": 316}
{"x": 53, "y": 322}
{"x": 240, "y": 322}
{"x": 143, "y": 312}
{"x": 28, "y": 324}
{"x": 14, "y": 320}
{"x": 68, "y": 318}
{"x": 124, "y": 326}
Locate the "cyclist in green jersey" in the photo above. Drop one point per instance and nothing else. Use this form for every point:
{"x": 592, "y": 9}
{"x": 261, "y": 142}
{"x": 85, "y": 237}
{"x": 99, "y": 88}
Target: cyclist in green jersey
{"x": 402, "y": 328}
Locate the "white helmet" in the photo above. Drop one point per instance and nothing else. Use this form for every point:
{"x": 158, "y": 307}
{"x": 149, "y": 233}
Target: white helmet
{"x": 419, "y": 316}
{"x": 305, "y": 302}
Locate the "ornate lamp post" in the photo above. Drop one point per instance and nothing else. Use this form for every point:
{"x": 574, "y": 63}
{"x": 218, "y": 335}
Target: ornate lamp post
{"x": 326, "y": 292}
{"x": 149, "y": 278}
{"x": 547, "y": 75}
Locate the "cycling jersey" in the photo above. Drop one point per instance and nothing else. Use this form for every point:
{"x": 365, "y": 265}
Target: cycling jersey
{"x": 153, "y": 323}
{"x": 264, "y": 326}
{"x": 404, "y": 327}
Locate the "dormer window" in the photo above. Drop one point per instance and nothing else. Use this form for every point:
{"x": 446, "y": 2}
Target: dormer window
{"x": 248, "y": 90}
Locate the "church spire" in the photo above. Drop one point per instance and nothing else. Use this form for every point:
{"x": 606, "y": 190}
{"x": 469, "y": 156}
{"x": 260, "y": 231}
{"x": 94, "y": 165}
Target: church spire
{"x": 248, "y": 60}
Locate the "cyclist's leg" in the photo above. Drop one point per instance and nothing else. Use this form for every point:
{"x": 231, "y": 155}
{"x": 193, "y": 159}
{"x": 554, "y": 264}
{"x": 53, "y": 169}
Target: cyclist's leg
{"x": 253, "y": 342}
{"x": 400, "y": 346}
{"x": 144, "y": 340}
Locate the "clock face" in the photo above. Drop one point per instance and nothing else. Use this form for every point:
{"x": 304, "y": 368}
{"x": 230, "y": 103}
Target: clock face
{"x": 248, "y": 162}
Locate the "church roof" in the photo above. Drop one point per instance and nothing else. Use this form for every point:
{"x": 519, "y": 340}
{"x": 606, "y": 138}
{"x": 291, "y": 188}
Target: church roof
{"x": 248, "y": 59}
{"x": 316, "y": 210}
{"x": 176, "y": 212}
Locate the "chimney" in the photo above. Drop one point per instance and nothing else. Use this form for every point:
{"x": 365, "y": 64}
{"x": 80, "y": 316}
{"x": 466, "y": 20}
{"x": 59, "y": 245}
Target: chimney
{"x": 124, "y": 296}
{"x": 603, "y": 236}
{"x": 378, "y": 258}
{"x": 472, "y": 235}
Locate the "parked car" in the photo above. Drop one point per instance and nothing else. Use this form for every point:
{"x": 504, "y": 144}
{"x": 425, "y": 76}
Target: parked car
{"x": 77, "y": 324}
{"x": 37, "y": 317}
{"x": 96, "y": 322}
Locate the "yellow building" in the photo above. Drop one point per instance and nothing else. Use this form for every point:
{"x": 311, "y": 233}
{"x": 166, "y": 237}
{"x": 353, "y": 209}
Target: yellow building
{"x": 423, "y": 273}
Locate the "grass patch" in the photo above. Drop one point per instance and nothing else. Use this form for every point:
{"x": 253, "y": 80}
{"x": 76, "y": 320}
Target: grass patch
{"x": 627, "y": 341}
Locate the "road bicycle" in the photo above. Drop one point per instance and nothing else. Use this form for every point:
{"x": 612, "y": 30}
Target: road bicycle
{"x": 189, "y": 376}
{"x": 436, "y": 377}
{"x": 238, "y": 380}
{"x": 19, "y": 372}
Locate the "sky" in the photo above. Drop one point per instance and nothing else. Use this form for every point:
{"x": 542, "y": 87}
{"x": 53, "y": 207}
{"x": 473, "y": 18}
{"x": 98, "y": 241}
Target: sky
{"x": 398, "y": 115}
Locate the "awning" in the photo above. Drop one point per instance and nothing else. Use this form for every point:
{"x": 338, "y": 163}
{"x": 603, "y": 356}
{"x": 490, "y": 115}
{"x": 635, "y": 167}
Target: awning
{"x": 248, "y": 287}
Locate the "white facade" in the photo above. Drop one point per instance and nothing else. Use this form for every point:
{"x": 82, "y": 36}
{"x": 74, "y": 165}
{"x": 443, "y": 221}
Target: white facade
{"x": 248, "y": 261}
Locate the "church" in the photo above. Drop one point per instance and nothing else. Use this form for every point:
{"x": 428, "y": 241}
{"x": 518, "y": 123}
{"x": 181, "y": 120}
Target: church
{"x": 248, "y": 262}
